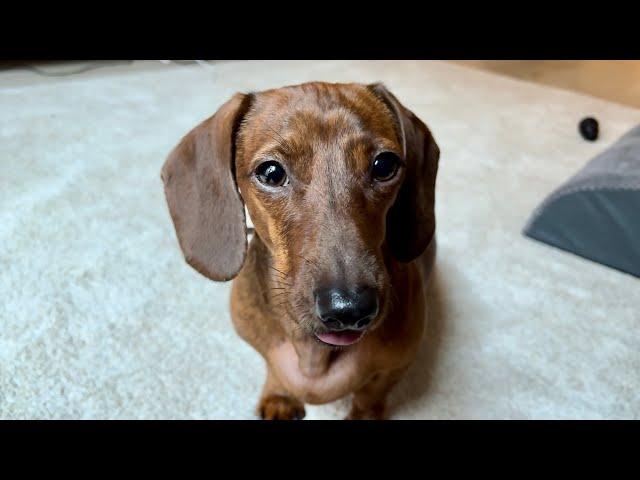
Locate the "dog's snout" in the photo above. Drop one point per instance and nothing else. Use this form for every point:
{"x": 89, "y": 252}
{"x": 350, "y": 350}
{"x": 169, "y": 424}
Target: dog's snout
{"x": 340, "y": 308}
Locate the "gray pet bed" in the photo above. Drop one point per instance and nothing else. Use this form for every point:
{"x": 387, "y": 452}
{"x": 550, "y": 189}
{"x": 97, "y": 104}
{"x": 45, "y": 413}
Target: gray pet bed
{"x": 596, "y": 214}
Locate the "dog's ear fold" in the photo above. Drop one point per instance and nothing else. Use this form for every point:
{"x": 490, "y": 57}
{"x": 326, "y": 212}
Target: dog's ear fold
{"x": 411, "y": 221}
{"x": 203, "y": 198}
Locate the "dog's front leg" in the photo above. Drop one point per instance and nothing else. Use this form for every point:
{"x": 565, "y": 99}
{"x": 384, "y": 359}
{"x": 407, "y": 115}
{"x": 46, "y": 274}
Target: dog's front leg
{"x": 370, "y": 401}
{"x": 278, "y": 404}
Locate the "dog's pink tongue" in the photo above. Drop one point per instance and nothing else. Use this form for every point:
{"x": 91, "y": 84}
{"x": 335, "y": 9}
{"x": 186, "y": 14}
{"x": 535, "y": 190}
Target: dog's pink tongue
{"x": 340, "y": 338}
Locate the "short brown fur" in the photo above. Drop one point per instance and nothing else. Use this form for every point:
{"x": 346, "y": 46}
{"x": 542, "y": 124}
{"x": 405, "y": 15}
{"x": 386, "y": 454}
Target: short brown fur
{"x": 331, "y": 224}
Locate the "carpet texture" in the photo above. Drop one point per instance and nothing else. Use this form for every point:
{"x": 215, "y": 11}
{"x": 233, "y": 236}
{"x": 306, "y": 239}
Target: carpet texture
{"x": 100, "y": 317}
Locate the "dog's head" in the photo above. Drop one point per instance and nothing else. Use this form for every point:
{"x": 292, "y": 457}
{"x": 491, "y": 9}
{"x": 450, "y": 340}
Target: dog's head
{"x": 338, "y": 179}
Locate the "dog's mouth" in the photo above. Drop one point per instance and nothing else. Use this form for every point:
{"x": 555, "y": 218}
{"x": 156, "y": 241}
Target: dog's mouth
{"x": 340, "y": 339}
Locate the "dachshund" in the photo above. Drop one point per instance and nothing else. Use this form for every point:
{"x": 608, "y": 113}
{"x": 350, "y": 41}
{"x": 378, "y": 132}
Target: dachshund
{"x": 339, "y": 182}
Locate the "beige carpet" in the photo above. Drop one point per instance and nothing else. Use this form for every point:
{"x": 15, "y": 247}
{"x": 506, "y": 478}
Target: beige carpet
{"x": 101, "y": 318}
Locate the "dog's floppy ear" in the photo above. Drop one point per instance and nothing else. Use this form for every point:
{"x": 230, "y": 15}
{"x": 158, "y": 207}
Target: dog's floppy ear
{"x": 203, "y": 198}
{"x": 411, "y": 221}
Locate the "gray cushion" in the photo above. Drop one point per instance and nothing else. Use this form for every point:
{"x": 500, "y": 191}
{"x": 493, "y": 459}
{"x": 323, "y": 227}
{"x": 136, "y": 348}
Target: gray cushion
{"x": 596, "y": 213}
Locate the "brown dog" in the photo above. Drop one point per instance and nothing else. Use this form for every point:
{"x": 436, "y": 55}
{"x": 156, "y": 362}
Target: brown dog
{"x": 339, "y": 181}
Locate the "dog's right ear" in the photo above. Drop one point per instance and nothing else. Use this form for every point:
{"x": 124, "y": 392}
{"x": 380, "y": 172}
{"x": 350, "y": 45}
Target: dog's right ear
{"x": 411, "y": 221}
{"x": 202, "y": 194}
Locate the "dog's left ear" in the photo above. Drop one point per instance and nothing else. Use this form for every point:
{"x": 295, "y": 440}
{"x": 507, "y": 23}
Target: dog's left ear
{"x": 411, "y": 221}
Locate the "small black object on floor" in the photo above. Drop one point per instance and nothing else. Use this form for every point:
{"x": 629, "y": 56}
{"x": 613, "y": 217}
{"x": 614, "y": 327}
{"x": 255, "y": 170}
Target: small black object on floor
{"x": 588, "y": 128}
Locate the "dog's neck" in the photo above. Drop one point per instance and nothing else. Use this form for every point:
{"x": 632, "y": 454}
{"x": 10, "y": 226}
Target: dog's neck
{"x": 313, "y": 359}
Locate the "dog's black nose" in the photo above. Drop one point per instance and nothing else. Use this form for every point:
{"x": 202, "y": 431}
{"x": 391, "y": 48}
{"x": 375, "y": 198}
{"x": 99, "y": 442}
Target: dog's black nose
{"x": 341, "y": 309}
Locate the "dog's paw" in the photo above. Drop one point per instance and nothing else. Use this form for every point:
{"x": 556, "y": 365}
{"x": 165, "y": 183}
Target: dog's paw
{"x": 376, "y": 412}
{"x": 278, "y": 407}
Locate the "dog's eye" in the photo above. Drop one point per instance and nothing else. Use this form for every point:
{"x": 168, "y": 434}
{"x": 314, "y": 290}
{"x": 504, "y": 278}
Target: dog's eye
{"x": 385, "y": 166}
{"x": 271, "y": 173}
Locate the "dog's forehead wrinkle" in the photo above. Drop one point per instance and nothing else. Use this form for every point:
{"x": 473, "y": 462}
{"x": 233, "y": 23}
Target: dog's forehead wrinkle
{"x": 347, "y": 105}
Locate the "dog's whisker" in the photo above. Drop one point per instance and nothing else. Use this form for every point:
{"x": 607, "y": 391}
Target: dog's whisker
{"x": 278, "y": 138}
{"x": 307, "y": 260}
{"x": 277, "y": 275}
{"x": 279, "y": 282}
{"x": 279, "y": 278}
{"x": 279, "y": 271}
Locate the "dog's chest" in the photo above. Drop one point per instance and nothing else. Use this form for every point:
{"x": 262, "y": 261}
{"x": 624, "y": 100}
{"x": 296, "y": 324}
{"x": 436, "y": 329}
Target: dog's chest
{"x": 339, "y": 378}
